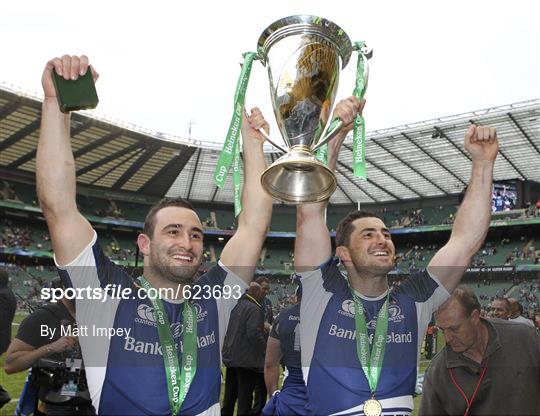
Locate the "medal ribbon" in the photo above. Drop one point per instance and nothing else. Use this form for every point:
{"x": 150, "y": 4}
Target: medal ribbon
{"x": 178, "y": 379}
{"x": 231, "y": 147}
{"x": 371, "y": 362}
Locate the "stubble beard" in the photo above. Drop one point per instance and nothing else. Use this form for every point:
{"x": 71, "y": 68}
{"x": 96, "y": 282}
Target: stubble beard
{"x": 363, "y": 267}
{"x": 177, "y": 274}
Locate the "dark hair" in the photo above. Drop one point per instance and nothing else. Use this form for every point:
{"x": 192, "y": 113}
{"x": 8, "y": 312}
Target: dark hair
{"x": 346, "y": 227}
{"x": 4, "y": 278}
{"x": 505, "y": 301}
{"x": 467, "y": 299}
{"x": 57, "y": 283}
{"x": 150, "y": 220}
{"x": 262, "y": 279}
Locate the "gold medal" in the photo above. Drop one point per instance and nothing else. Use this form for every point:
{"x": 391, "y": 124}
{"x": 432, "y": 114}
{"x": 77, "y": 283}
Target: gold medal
{"x": 372, "y": 407}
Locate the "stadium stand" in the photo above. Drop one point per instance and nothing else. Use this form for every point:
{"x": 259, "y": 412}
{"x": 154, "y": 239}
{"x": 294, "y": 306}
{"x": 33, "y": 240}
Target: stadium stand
{"x": 122, "y": 170}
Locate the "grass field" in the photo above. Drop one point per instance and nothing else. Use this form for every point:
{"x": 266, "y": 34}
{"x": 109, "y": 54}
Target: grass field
{"x": 14, "y": 383}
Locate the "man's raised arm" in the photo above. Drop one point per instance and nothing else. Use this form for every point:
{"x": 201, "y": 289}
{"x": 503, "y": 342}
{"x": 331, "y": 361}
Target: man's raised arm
{"x": 473, "y": 217}
{"x": 242, "y": 252}
{"x": 312, "y": 245}
{"x": 55, "y": 166}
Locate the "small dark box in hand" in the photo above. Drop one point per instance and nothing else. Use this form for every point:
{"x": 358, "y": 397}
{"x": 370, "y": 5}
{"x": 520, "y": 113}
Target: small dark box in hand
{"x": 75, "y": 95}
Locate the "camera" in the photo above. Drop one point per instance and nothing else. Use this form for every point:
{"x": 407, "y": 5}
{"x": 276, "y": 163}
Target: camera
{"x": 60, "y": 381}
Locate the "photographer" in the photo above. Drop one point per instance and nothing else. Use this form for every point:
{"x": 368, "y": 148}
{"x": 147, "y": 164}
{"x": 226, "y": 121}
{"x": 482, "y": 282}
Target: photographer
{"x": 55, "y": 359}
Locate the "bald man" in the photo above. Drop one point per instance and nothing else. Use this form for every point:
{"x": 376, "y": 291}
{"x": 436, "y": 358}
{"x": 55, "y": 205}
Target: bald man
{"x": 488, "y": 366}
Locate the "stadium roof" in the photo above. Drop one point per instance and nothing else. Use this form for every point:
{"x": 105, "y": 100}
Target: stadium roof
{"x": 419, "y": 160}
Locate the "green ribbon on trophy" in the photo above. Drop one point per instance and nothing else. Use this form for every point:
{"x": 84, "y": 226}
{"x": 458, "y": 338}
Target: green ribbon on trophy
{"x": 359, "y": 129}
{"x": 236, "y": 180}
{"x": 371, "y": 361}
{"x": 322, "y": 154}
{"x": 231, "y": 148}
{"x": 359, "y": 140}
{"x": 174, "y": 373}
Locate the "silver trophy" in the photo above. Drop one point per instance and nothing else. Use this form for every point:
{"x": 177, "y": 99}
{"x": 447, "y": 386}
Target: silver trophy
{"x": 304, "y": 55}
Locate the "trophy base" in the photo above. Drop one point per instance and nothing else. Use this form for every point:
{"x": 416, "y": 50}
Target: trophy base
{"x": 299, "y": 178}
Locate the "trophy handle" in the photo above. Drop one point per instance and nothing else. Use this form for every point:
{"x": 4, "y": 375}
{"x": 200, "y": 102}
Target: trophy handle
{"x": 267, "y": 137}
{"x": 272, "y": 142}
{"x": 333, "y": 130}
{"x": 337, "y": 123}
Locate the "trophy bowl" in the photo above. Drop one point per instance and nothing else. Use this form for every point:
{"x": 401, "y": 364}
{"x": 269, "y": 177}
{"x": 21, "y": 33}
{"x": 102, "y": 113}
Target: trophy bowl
{"x": 304, "y": 55}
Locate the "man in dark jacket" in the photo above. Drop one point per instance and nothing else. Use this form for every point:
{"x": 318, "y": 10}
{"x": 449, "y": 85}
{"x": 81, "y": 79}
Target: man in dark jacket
{"x": 243, "y": 352}
{"x": 488, "y": 367}
{"x": 8, "y": 304}
{"x": 61, "y": 392}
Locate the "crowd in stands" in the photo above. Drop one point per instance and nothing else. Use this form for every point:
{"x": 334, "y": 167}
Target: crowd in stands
{"x": 418, "y": 217}
{"x": 528, "y": 296}
{"x": 27, "y": 282}
{"x": 529, "y": 253}
{"x": 115, "y": 251}
{"x": 415, "y": 218}
{"x": 403, "y": 218}
{"x": 487, "y": 299}
{"x": 111, "y": 211}
{"x": 450, "y": 219}
{"x": 532, "y": 210}
{"x": 15, "y": 236}
{"x": 8, "y": 193}
{"x": 415, "y": 256}
{"x": 409, "y": 259}
{"x": 487, "y": 250}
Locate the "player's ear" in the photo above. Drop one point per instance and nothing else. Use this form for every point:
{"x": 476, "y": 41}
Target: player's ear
{"x": 143, "y": 241}
{"x": 343, "y": 253}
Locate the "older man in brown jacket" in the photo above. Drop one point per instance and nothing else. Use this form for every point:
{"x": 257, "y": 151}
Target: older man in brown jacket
{"x": 488, "y": 367}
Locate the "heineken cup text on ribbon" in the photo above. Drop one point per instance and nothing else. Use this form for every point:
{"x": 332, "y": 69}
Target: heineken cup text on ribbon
{"x": 304, "y": 56}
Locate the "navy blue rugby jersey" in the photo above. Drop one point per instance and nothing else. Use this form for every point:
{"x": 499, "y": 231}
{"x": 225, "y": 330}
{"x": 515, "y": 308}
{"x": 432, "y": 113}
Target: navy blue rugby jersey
{"x": 286, "y": 329}
{"x": 126, "y": 373}
{"x": 333, "y": 374}
{"x": 293, "y": 397}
